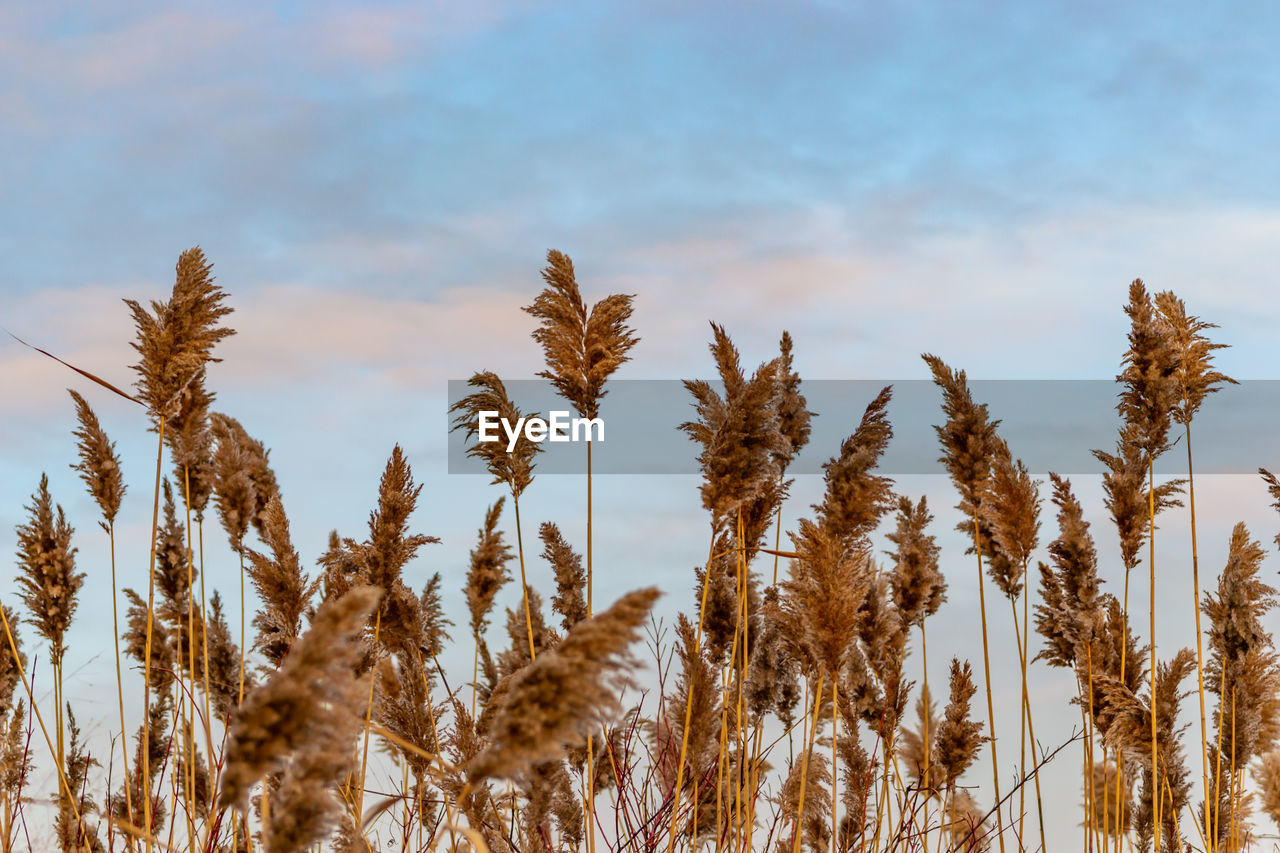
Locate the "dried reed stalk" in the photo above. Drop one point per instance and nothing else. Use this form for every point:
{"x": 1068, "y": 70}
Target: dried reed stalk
{"x": 970, "y": 444}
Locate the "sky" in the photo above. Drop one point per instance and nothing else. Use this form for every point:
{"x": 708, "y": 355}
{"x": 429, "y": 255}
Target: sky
{"x": 377, "y": 186}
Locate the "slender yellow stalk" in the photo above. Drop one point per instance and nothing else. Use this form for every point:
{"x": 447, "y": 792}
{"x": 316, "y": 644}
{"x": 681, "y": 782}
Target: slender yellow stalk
{"x": 986, "y": 665}
{"x": 242, "y": 624}
{"x": 368, "y": 715}
{"x": 1231, "y": 832}
{"x": 928, "y": 748}
{"x": 1024, "y": 651}
{"x": 777, "y": 545}
{"x": 740, "y": 675}
{"x": 1124, "y": 648}
{"x": 688, "y": 711}
{"x": 1217, "y": 770}
{"x": 524, "y": 584}
{"x": 115, "y": 633}
{"x": 804, "y": 768}
{"x": 724, "y": 753}
{"x": 189, "y": 740}
{"x": 1157, "y": 800}
{"x": 591, "y": 773}
{"x": 835, "y": 737}
{"x": 146, "y": 666}
{"x": 1210, "y": 840}
{"x": 204, "y": 636}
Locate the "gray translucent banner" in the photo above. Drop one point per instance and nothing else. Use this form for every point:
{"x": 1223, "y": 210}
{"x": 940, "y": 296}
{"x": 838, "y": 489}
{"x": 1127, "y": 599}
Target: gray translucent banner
{"x": 1052, "y": 425}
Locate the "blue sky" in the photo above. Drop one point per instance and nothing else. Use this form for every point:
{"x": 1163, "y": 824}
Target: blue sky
{"x": 377, "y": 186}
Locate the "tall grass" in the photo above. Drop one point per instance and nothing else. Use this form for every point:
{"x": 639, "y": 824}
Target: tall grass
{"x": 775, "y": 713}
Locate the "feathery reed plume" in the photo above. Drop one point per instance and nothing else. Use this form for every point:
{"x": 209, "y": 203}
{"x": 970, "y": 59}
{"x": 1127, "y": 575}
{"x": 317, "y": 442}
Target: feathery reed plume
{"x": 263, "y": 477}
{"x": 914, "y": 745}
{"x": 1244, "y": 673}
{"x": 959, "y": 738}
{"x": 582, "y": 348}
{"x": 819, "y": 611}
{"x": 567, "y": 693}
{"x": 224, "y": 661}
{"x": 1115, "y": 821}
{"x": 520, "y": 627}
{"x": 233, "y": 493}
{"x": 191, "y": 446}
{"x": 162, "y": 665}
{"x": 1070, "y": 613}
{"x": 390, "y": 547}
{"x": 283, "y": 587}
{"x": 1242, "y": 659}
{"x": 16, "y": 765}
{"x": 856, "y": 498}
{"x": 884, "y": 636}
{"x": 1150, "y": 374}
{"x": 514, "y": 468}
{"x": 11, "y": 668}
{"x": 176, "y": 338}
{"x": 69, "y": 826}
{"x": 1011, "y": 511}
{"x": 171, "y": 564}
{"x": 807, "y": 787}
{"x": 739, "y": 433}
{"x": 570, "y": 578}
{"x": 152, "y": 748}
{"x": 793, "y": 416}
{"x": 1127, "y": 717}
{"x": 794, "y": 423}
{"x": 1267, "y": 776}
{"x": 696, "y": 689}
{"x": 857, "y": 776}
{"x": 1194, "y": 376}
{"x": 968, "y": 438}
{"x": 966, "y": 823}
{"x": 1273, "y": 486}
{"x": 435, "y": 625}
{"x": 488, "y": 571}
{"x": 48, "y": 583}
{"x": 302, "y": 723}
{"x": 401, "y": 705}
{"x": 773, "y": 676}
{"x": 919, "y": 589}
{"x": 99, "y": 465}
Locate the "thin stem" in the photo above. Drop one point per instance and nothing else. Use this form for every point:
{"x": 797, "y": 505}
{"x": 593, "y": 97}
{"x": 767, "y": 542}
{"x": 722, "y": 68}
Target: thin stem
{"x": 928, "y": 749}
{"x": 1195, "y": 580}
{"x": 124, "y": 738}
{"x": 986, "y": 666}
{"x": 524, "y": 584}
{"x": 368, "y": 715}
{"x": 804, "y": 768}
{"x": 146, "y": 666}
{"x": 1157, "y": 800}
{"x": 1024, "y": 651}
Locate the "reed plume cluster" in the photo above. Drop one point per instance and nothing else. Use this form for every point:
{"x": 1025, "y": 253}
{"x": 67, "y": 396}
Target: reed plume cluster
{"x": 787, "y": 708}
